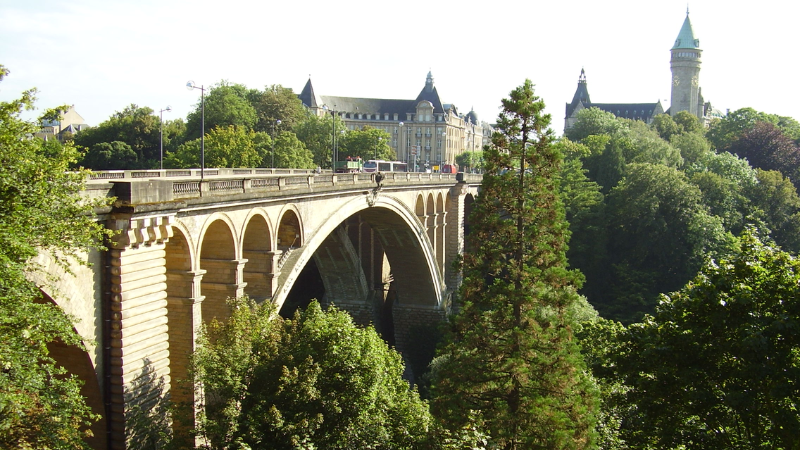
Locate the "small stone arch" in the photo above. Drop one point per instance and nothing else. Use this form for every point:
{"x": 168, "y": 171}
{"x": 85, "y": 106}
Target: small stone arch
{"x": 222, "y": 277}
{"x": 420, "y": 209}
{"x": 257, "y": 250}
{"x": 440, "y": 219}
{"x": 290, "y": 230}
{"x": 183, "y": 306}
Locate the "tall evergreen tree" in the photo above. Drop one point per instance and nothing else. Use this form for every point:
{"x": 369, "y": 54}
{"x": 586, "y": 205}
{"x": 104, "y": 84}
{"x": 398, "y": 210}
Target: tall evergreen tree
{"x": 511, "y": 355}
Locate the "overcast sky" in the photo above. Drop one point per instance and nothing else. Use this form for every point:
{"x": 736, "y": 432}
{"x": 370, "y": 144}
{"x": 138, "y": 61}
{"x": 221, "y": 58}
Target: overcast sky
{"x": 103, "y": 55}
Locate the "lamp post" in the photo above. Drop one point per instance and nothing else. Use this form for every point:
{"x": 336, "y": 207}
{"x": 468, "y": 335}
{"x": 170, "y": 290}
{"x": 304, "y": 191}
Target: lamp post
{"x": 402, "y": 142}
{"x": 190, "y": 85}
{"x": 334, "y": 156}
{"x": 161, "y": 131}
{"x": 277, "y": 122}
{"x": 376, "y": 147}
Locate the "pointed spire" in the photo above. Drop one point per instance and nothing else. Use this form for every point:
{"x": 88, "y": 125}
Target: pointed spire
{"x": 686, "y": 37}
{"x": 307, "y": 96}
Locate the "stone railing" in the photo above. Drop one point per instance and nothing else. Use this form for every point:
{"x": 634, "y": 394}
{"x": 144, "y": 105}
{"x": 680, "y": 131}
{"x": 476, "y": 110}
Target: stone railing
{"x": 157, "y": 186}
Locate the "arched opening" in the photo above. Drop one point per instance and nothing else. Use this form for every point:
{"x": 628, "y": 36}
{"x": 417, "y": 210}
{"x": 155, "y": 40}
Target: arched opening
{"x": 441, "y": 215}
{"x": 469, "y": 206}
{"x": 221, "y": 277}
{"x": 183, "y": 309}
{"x": 430, "y": 223}
{"x": 308, "y": 286}
{"x": 289, "y": 232}
{"x": 77, "y": 362}
{"x": 258, "y": 271}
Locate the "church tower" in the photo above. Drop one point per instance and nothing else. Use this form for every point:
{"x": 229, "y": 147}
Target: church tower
{"x": 685, "y": 65}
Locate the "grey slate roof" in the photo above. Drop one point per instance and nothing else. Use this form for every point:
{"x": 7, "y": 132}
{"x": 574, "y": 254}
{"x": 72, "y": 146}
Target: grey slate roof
{"x": 307, "y": 96}
{"x": 369, "y": 105}
{"x": 636, "y": 111}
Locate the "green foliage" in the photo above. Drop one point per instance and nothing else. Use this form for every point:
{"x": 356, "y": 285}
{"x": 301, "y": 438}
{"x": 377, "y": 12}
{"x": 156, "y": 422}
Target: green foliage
{"x": 276, "y": 103}
{"x": 665, "y": 126}
{"x": 316, "y": 134}
{"x": 114, "y": 155}
{"x": 226, "y": 105}
{"x": 40, "y": 210}
{"x": 290, "y": 152}
{"x": 316, "y": 381}
{"x": 366, "y": 143}
{"x": 510, "y": 353}
{"x": 723, "y": 132}
{"x": 717, "y": 366}
{"x": 132, "y": 135}
{"x": 224, "y": 147}
{"x": 691, "y": 145}
{"x": 593, "y": 121}
{"x": 470, "y": 161}
{"x": 659, "y": 234}
{"x": 779, "y": 206}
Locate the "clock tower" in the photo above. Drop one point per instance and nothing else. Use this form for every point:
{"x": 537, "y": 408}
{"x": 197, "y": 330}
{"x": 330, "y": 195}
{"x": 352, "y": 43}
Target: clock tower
{"x": 685, "y": 65}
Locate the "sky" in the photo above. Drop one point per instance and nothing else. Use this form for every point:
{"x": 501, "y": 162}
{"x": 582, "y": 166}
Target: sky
{"x": 103, "y": 55}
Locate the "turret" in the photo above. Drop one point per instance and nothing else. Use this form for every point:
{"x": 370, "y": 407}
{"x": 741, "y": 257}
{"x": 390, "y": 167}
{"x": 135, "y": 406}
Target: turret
{"x": 685, "y": 65}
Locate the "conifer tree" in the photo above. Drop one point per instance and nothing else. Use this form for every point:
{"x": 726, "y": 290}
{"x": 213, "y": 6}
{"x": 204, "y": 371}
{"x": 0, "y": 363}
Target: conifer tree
{"x": 511, "y": 354}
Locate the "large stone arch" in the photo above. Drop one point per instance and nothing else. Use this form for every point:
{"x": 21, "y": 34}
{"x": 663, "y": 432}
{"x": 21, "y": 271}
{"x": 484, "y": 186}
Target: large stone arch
{"x": 69, "y": 292}
{"x": 414, "y": 268}
{"x": 222, "y": 277}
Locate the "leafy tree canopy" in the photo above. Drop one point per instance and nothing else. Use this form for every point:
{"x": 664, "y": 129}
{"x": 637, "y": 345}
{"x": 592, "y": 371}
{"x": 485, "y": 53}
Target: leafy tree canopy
{"x": 224, "y": 147}
{"x": 276, "y": 103}
{"x": 135, "y": 127}
{"x": 40, "y": 210}
{"x": 226, "y": 104}
{"x": 316, "y": 381}
{"x": 316, "y": 133}
{"x": 717, "y": 365}
{"x": 367, "y": 143}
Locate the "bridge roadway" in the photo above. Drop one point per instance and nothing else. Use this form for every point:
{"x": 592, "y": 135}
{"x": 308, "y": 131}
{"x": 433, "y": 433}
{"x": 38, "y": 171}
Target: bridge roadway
{"x": 382, "y": 252}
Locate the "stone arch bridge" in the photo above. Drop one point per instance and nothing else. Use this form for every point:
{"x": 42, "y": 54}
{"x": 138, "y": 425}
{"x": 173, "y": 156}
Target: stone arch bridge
{"x": 382, "y": 251}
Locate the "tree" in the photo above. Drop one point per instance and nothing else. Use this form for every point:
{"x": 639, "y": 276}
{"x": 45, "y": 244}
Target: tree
{"x": 665, "y": 126}
{"x": 226, "y": 105}
{"x": 224, "y": 147}
{"x": 470, "y": 160}
{"x": 40, "y": 211}
{"x": 510, "y": 354}
{"x": 316, "y": 133}
{"x": 717, "y": 365}
{"x": 659, "y": 234}
{"x": 136, "y": 127}
{"x": 316, "y": 381}
{"x": 114, "y": 155}
{"x": 290, "y": 152}
{"x": 592, "y": 121}
{"x": 276, "y": 103}
{"x": 767, "y": 148}
{"x": 779, "y": 207}
{"x": 688, "y": 123}
{"x": 367, "y": 143}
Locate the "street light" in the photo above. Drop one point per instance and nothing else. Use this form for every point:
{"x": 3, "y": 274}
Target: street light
{"x": 402, "y": 142}
{"x": 376, "y": 147}
{"x": 161, "y": 131}
{"x": 334, "y": 156}
{"x": 277, "y": 122}
{"x": 190, "y": 85}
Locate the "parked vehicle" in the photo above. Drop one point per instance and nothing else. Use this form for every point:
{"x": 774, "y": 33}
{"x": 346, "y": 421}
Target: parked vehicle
{"x": 385, "y": 166}
{"x": 449, "y": 168}
{"x": 351, "y": 165}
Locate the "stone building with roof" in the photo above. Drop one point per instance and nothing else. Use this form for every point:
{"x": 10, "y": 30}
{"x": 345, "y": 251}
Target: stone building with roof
{"x": 686, "y": 93}
{"x": 69, "y": 123}
{"x": 424, "y": 129}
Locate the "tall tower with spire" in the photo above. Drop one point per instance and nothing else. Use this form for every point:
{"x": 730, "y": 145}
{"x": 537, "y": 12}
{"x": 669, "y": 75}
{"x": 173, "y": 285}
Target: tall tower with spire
{"x": 685, "y": 65}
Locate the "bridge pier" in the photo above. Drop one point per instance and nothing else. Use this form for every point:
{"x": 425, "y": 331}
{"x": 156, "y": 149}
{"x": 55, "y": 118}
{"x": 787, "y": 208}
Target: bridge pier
{"x": 138, "y": 370}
